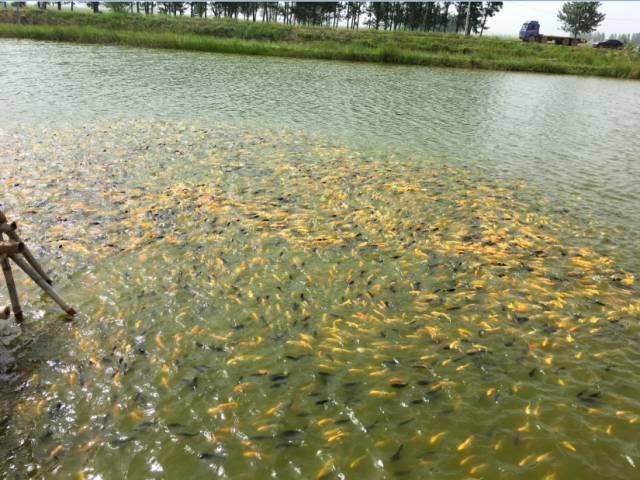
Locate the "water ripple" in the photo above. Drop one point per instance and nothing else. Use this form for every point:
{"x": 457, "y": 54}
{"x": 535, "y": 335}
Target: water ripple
{"x": 571, "y": 138}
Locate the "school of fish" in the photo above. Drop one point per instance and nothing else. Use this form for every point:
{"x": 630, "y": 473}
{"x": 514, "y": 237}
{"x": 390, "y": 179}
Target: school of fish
{"x": 269, "y": 304}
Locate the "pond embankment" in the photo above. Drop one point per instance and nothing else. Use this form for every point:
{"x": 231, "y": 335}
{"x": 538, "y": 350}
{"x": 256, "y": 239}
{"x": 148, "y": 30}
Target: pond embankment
{"x": 397, "y": 47}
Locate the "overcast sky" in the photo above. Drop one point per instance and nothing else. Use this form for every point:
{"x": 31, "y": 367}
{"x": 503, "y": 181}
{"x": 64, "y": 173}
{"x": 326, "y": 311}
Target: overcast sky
{"x": 621, "y": 17}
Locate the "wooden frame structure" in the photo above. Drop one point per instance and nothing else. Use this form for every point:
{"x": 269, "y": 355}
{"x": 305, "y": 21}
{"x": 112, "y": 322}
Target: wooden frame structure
{"x": 14, "y": 249}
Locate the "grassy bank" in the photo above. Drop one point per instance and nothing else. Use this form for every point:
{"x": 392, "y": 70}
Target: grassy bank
{"x": 226, "y": 36}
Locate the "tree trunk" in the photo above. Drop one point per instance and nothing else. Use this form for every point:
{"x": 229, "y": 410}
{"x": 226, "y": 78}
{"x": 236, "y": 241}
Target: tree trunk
{"x": 467, "y": 23}
{"x": 484, "y": 21}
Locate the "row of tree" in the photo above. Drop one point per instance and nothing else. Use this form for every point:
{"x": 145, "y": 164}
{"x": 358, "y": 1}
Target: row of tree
{"x": 470, "y": 17}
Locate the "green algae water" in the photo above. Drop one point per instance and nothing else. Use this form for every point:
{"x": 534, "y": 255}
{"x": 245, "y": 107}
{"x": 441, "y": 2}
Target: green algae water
{"x": 277, "y": 279}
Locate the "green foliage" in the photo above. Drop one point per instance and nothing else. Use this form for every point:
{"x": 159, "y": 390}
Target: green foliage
{"x": 117, "y": 7}
{"x": 199, "y": 8}
{"x": 580, "y": 17}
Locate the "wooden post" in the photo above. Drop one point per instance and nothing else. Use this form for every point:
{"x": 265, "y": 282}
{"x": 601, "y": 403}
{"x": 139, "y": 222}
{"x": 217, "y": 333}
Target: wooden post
{"x": 49, "y": 290}
{"x": 10, "y": 247}
{"x": 17, "y": 251}
{"x": 10, "y": 230}
{"x": 11, "y": 286}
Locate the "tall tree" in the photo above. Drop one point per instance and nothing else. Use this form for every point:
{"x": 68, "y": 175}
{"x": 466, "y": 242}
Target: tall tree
{"x": 174, "y": 8}
{"x": 199, "y": 9}
{"x": 117, "y": 7}
{"x": 444, "y": 16}
{"x": 475, "y": 16}
{"x": 489, "y": 9}
{"x": 580, "y": 17}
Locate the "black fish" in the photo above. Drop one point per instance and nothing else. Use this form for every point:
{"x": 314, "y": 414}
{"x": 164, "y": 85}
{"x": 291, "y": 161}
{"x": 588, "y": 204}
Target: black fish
{"x": 391, "y": 363}
{"x": 193, "y": 383}
{"x": 291, "y": 433}
{"x": 371, "y": 427}
{"x": 396, "y": 456}
{"x": 426, "y": 398}
{"x": 399, "y": 385}
{"x": 476, "y": 352}
{"x": 145, "y": 424}
{"x": 105, "y": 420}
{"x": 287, "y": 444}
{"x": 121, "y": 441}
{"x": 402, "y": 473}
{"x": 419, "y": 366}
{"x": 589, "y": 398}
{"x": 208, "y": 456}
{"x": 216, "y": 348}
{"x": 56, "y": 409}
{"x": 293, "y": 357}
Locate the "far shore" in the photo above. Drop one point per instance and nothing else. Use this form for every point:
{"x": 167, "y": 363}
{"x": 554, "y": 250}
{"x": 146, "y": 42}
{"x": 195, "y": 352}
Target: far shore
{"x": 269, "y": 39}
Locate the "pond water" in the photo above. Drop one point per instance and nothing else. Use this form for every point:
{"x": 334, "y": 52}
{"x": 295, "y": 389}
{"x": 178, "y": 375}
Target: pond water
{"x": 304, "y": 269}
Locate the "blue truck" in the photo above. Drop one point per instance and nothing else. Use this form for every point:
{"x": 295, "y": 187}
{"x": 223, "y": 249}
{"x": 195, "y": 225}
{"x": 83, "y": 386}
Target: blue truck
{"x": 530, "y": 32}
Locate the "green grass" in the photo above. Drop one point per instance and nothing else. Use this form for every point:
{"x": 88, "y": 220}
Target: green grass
{"x": 401, "y": 47}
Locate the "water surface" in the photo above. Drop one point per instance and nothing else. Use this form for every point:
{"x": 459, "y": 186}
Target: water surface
{"x": 573, "y": 138}
{"x": 305, "y": 269}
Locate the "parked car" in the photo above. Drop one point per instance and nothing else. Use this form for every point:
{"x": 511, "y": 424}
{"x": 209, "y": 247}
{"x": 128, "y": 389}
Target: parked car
{"x": 611, "y": 43}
